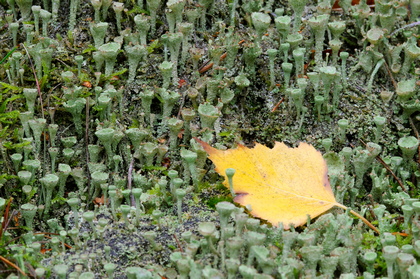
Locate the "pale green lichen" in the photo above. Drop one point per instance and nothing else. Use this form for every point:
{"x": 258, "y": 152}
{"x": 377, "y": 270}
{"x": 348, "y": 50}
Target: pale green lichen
{"x": 116, "y": 143}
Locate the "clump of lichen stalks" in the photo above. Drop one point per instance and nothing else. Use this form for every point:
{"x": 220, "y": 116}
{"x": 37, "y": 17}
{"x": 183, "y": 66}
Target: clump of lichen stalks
{"x": 100, "y": 101}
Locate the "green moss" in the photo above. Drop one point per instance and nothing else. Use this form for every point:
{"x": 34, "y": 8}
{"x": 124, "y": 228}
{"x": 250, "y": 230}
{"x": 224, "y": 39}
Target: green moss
{"x": 211, "y": 202}
{"x": 251, "y": 116}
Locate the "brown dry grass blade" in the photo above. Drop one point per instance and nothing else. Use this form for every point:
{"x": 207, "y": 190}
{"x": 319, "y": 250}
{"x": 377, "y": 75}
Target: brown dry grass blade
{"x": 49, "y": 237}
{"x": 6, "y": 261}
{"x": 6, "y": 220}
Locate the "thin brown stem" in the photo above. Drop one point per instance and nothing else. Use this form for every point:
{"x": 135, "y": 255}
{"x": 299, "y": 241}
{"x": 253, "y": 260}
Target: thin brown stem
{"x": 364, "y": 220}
{"x": 38, "y": 87}
{"x": 394, "y": 83}
{"x": 6, "y": 261}
{"x": 63, "y": 243}
{"x": 379, "y": 159}
{"x": 278, "y": 104}
{"x": 179, "y": 244}
{"x": 371, "y": 207}
{"x": 6, "y": 219}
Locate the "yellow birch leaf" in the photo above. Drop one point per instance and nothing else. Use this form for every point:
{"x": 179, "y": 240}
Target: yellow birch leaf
{"x": 281, "y": 184}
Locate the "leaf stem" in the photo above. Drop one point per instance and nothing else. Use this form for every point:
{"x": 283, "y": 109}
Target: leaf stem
{"x": 6, "y": 261}
{"x": 369, "y": 224}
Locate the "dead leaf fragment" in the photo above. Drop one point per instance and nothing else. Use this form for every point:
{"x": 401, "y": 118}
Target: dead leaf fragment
{"x": 281, "y": 184}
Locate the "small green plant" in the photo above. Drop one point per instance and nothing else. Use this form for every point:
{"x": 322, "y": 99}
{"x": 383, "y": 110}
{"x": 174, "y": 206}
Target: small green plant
{"x": 97, "y": 128}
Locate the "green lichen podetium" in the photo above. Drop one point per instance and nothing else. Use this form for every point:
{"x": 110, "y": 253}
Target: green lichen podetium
{"x": 97, "y": 128}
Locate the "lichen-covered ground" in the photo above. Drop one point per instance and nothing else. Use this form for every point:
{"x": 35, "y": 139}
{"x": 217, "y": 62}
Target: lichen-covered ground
{"x": 101, "y": 105}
